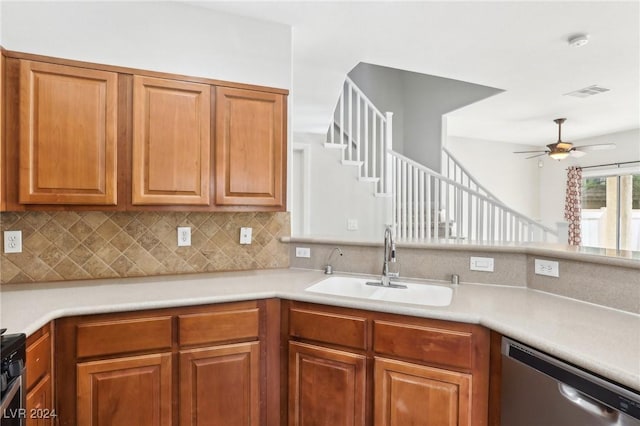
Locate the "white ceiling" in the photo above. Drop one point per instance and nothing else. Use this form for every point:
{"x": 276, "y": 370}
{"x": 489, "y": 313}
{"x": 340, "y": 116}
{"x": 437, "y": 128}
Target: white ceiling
{"x": 520, "y": 47}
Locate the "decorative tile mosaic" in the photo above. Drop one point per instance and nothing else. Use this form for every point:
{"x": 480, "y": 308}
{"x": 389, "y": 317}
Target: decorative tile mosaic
{"x": 84, "y": 245}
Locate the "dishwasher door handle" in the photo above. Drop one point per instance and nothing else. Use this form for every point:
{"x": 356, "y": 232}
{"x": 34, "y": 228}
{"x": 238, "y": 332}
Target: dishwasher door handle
{"x": 588, "y": 404}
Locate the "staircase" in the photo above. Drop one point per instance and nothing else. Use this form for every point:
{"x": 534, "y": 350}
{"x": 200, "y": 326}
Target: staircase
{"x": 426, "y": 205}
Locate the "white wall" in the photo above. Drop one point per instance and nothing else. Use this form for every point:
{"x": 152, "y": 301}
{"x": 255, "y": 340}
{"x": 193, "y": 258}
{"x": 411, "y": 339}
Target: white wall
{"x": 161, "y": 36}
{"x": 337, "y": 195}
{"x": 421, "y": 100}
{"x": 553, "y": 176}
{"x": 510, "y": 177}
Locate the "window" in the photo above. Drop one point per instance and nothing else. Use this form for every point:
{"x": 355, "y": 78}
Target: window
{"x": 611, "y": 210}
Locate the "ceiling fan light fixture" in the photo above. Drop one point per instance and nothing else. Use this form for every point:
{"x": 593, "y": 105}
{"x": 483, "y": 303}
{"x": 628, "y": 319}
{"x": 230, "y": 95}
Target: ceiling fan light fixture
{"x": 578, "y": 40}
{"x": 559, "y": 155}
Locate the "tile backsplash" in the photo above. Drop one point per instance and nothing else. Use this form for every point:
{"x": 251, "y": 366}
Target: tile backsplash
{"x": 84, "y": 245}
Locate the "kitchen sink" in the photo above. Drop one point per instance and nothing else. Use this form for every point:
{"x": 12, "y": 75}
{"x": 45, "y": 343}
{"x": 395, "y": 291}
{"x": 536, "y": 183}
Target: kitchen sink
{"x": 415, "y": 294}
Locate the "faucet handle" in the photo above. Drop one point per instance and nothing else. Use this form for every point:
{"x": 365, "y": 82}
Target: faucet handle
{"x": 393, "y": 274}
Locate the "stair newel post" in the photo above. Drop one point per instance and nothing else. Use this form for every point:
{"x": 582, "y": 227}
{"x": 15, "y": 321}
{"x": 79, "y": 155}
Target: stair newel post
{"x": 388, "y": 138}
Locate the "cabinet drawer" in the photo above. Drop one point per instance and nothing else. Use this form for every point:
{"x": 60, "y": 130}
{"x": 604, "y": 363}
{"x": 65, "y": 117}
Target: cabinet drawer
{"x": 429, "y": 344}
{"x": 123, "y": 336}
{"x": 38, "y": 360}
{"x": 205, "y": 328}
{"x": 328, "y": 327}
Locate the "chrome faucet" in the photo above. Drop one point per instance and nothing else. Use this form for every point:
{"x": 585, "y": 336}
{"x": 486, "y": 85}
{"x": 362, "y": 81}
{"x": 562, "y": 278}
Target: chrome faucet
{"x": 389, "y": 257}
{"x": 328, "y": 269}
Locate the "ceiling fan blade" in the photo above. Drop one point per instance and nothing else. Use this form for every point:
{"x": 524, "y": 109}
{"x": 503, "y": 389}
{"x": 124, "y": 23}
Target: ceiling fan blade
{"x": 534, "y": 156}
{"x": 596, "y": 147}
{"x": 527, "y": 152}
{"x": 577, "y": 154}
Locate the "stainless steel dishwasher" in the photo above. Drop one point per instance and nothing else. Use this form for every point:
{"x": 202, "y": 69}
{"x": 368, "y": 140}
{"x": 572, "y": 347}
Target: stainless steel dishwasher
{"x": 539, "y": 390}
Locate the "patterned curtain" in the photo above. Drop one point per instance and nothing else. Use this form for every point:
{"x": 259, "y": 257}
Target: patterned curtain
{"x": 572, "y": 204}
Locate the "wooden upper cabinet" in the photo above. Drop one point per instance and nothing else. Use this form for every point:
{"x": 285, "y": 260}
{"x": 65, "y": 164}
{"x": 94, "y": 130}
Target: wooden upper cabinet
{"x": 250, "y": 148}
{"x": 171, "y": 142}
{"x": 68, "y": 135}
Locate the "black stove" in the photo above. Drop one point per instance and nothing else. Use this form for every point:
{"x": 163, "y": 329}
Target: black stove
{"x": 12, "y": 362}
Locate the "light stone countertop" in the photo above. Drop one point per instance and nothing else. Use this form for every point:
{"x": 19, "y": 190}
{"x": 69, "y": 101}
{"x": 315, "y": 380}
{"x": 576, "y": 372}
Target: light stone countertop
{"x": 603, "y": 340}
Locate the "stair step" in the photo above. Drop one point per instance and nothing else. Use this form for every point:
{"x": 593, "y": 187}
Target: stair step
{"x": 335, "y": 146}
{"x": 352, "y": 163}
{"x": 369, "y": 179}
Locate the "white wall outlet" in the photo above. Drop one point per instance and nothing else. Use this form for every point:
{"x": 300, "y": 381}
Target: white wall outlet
{"x": 13, "y": 241}
{"x": 184, "y": 236}
{"x": 484, "y": 264}
{"x": 352, "y": 224}
{"x": 549, "y": 268}
{"x": 303, "y": 252}
{"x": 245, "y": 235}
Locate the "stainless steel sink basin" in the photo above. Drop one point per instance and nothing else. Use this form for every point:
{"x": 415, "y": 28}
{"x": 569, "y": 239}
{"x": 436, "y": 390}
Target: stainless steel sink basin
{"x": 416, "y": 294}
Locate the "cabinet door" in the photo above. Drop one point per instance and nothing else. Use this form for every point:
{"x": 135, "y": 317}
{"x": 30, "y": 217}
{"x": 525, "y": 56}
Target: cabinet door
{"x": 171, "y": 142}
{"x": 125, "y": 391}
{"x": 220, "y": 385}
{"x": 250, "y": 148}
{"x": 411, "y": 394}
{"x": 68, "y": 135}
{"x": 39, "y": 404}
{"x": 327, "y": 387}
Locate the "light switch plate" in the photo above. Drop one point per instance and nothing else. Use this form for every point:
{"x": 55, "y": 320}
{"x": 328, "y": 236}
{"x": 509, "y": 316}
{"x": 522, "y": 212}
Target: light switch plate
{"x": 303, "y": 252}
{"x": 245, "y": 235}
{"x": 13, "y": 241}
{"x": 549, "y": 268}
{"x": 484, "y": 264}
{"x": 184, "y": 236}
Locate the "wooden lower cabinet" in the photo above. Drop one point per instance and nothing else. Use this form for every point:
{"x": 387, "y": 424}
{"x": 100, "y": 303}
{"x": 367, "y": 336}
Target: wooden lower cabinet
{"x": 39, "y": 404}
{"x": 356, "y": 367}
{"x": 327, "y": 387}
{"x": 125, "y": 391}
{"x": 220, "y": 385}
{"x": 413, "y": 394}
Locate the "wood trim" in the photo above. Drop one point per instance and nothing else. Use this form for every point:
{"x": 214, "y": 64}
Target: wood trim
{"x": 128, "y": 70}
{"x": 270, "y": 335}
{"x": 495, "y": 378}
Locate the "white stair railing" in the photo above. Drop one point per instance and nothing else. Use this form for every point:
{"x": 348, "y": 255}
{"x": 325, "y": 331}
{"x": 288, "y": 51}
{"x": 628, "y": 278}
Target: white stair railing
{"x": 364, "y": 134}
{"x": 428, "y": 206}
{"x": 454, "y": 170}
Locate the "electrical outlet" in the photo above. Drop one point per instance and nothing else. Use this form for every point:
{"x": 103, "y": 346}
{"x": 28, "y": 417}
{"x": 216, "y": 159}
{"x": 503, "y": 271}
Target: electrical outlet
{"x": 184, "y": 236}
{"x": 303, "y": 252}
{"x": 13, "y": 241}
{"x": 484, "y": 264}
{"x": 549, "y": 268}
{"x": 352, "y": 224}
{"x": 245, "y": 235}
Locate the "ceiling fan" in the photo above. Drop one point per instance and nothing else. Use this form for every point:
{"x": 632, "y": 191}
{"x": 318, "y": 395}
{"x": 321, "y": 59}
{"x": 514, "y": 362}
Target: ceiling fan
{"x": 561, "y": 150}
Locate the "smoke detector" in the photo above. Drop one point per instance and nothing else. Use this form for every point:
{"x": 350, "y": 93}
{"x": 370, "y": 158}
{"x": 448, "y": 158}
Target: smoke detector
{"x": 578, "y": 40}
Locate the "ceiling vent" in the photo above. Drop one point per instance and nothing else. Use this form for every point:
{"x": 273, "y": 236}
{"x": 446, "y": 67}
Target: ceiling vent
{"x": 587, "y": 91}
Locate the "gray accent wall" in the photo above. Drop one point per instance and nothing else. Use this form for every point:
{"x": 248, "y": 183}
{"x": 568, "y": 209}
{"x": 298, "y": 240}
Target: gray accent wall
{"x": 418, "y": 102}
